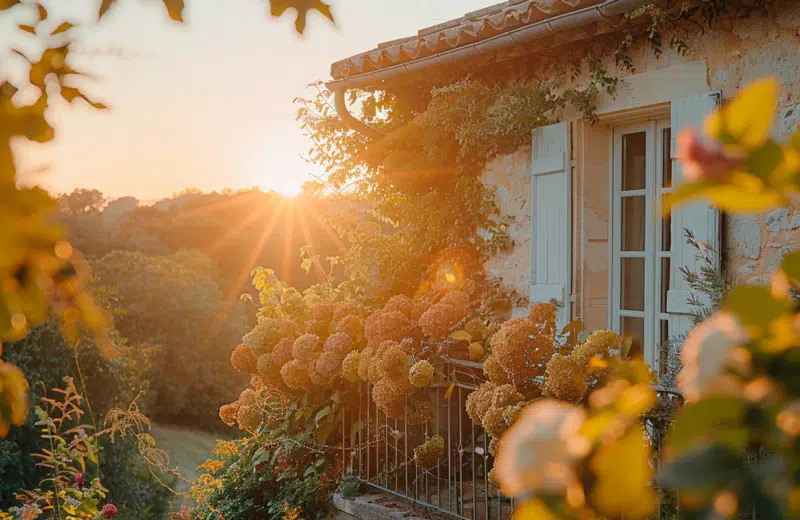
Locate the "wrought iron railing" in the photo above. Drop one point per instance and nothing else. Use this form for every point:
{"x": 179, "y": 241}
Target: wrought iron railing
{"x": 379, "y": 450}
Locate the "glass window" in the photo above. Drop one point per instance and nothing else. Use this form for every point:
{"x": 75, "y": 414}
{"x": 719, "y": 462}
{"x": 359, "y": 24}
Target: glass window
{"x": 634, "y": 165}
{"x": 666, "y": 160}
{"x": 632, "y": 288}
{"x": 633, "y": 223}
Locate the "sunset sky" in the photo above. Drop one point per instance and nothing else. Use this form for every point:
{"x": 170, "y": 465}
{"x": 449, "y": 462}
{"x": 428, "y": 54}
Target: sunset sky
{"x": 208, "y": 104}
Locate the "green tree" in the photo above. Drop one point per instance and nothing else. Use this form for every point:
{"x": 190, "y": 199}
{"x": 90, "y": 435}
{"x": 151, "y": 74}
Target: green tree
{"x": 167, "y": 304}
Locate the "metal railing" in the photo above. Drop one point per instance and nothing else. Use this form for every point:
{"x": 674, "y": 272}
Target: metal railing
{"x": 382, "y": 451}
{"x": 379, "y": 450}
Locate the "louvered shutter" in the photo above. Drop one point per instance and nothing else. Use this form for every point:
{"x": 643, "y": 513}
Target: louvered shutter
{"x": 550, "y": 218}
{"x": 700, "y": 217}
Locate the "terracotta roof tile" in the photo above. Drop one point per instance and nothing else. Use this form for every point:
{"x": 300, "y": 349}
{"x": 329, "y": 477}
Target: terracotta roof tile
{"x": 472, "y": 27}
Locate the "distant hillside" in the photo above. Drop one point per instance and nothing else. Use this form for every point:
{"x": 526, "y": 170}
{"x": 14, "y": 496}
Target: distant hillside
{"x": 238, "y": 230}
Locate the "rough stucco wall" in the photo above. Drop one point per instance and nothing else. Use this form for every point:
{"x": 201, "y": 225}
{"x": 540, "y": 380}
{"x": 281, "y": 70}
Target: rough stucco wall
{"x": 510, "y": 175}
{"x": 737, "y": 52}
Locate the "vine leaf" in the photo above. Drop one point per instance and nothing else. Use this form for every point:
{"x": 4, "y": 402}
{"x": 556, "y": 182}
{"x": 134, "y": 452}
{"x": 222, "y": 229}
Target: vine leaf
{"x": 278, "y": 7}
{"x": 70, "y": 94}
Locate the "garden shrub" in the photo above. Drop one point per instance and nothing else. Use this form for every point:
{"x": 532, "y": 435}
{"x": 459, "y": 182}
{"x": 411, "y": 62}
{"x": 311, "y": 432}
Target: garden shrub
{"x": 46, "y": 357}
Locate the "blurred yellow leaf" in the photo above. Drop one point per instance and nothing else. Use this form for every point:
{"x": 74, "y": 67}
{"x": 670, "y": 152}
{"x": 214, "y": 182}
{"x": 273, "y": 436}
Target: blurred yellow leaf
{"x": 533, "y": 509}
{"x": 62, "y": 27}
{"x": 278, "y": 7}
{"x": 104, "y": 6}
{"x": 42, "y": 12}
{"x": 174, "y": 9}
{"x": 449, "y": 392}
{"x": 27, "y": 28}
{"x": 8, "y": 4}
{"x": 747, "y": 120}
{"x": 742, "y": 193}
{"x": 623, "y": 473}
{"x": 306, "y": 264}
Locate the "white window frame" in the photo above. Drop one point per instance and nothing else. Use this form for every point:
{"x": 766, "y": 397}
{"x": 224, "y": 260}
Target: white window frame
{"x": 652, "y": 314}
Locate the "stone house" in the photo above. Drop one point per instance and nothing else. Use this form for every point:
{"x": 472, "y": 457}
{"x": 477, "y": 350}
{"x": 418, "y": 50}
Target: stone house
{"x": 587, "y": 194}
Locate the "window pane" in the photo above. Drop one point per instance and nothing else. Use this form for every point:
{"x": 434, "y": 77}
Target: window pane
{"x": 664, "y": 283}
{"x": 632, "y": 288}
{"x": 666, "y": 161}
{"x": 634, "y": 327}
{"x": 633, "y": 220}
{"x": 634, "y": 170}
{"x": 666, "y": 233}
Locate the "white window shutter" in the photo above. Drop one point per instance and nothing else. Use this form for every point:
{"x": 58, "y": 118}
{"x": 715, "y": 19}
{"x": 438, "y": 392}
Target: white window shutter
{"x": 550, "y": 218}
{"x": 700, "y": 217}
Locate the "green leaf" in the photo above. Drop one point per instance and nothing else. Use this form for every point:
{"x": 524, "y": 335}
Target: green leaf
{"x": 708, "y": 466}
{"x": 63, "y": 27}
{"x": 322, "y": 413}
{"x": 755, "y": 306}
{"x": 695, "y": 422}
{"x": 278, "y": 7}
{"x": 324, "y": 430}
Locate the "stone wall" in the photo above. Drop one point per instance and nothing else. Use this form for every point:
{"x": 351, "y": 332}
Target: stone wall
{"x": 736, "y": 52}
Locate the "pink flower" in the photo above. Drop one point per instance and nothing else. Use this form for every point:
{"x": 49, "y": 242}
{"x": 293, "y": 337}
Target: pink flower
{"x": 703, "y": 161}
{"x": 109, "y": 511}
{"x": 80, "y": 480}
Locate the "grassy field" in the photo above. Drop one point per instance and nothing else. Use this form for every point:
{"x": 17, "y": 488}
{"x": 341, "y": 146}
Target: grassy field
{"x": 187, "y": 449}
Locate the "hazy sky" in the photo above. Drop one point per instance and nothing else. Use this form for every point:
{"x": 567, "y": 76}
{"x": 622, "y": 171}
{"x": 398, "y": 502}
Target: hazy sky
{"x": 208, "y": 104}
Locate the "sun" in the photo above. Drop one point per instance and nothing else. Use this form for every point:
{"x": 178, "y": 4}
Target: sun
{"x": 288, "y": 188}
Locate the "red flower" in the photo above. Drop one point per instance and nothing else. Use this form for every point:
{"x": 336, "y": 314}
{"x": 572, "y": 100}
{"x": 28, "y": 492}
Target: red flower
{"x": 109, "y": 511}
{"x": 702, "y": 161}
{"x": 80, "y": 480}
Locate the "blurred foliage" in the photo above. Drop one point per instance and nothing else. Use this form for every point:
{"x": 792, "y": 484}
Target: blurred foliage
{"x": 182, "y": 314}
{"x": 38, "y": 274}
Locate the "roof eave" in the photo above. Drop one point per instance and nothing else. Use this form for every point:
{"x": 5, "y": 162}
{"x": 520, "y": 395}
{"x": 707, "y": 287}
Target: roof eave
{"x": 610, "y": 12}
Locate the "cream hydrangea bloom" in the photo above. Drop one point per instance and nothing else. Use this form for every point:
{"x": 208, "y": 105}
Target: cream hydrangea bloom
{"x": 710, "y": 350}
{"x": 539, "y": 450}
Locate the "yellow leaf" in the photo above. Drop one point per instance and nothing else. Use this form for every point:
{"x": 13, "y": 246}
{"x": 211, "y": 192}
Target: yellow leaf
{"x": 743, "y": 193}
{"x": 462, "y": 335}
{"x": 747, "y": 120}
{"x": 449, "y": 392}
{"x": 28, "y": 28}
{"x": 63, "y": 27}
{"x": 623, "y": 477}
{"x": 306, "y": 264}
{"x": 533, "y": 510}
